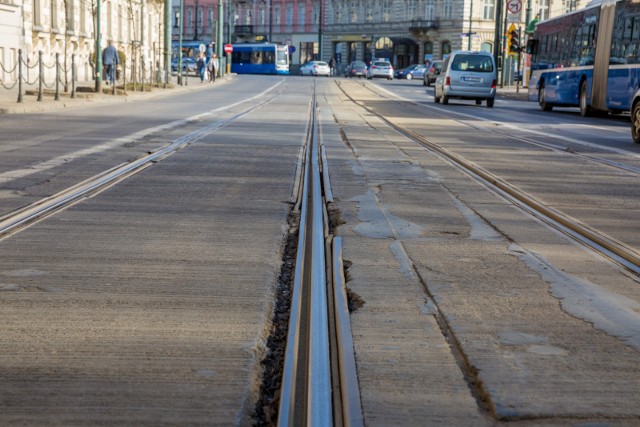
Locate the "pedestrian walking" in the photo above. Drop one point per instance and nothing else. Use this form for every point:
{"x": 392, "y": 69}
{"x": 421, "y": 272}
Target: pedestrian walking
{"x": 213, "y": 67}
{"x": 110, "y": 59}
{"x": 201, "y": 64}
{"x": 332, "y": 66}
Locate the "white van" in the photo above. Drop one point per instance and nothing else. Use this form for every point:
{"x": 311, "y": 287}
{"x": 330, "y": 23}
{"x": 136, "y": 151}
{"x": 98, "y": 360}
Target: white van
{"x": 467, "y": 75}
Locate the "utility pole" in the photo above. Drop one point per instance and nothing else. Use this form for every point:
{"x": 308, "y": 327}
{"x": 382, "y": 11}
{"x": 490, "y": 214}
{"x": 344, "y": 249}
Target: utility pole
{"x": 167, "y": 40}
{"x": 497, "y": 37}
{"x": 470, "y": 23}
{"x": 220, "y": 31}
{"x": 98, "y": 50}
{"x": 181, "y": 16}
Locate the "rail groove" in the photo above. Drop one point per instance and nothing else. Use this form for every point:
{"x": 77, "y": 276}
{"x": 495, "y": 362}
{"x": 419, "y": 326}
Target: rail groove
{"x": 319, "y": 387}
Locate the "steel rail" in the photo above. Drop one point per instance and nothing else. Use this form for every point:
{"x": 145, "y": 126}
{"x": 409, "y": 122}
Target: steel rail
{"x": 319, "y": 384}
{"x": 619, "y": 252}
{"x": 30, "y": 214}
{"x": 527, "y": 140}
{"x": 306, "y": 391}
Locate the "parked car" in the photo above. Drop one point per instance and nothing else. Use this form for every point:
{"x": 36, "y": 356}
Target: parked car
{"x": 467, "y": 75}
{"x": 315, "y": 68}
{"x": 188, "y": 64}
{"x": 418, "y": 72}
{"x": 382, "y": 69}
{"x": 635, "y": 118}
{"x": 430, "y": 75}
{"x": 415, "y": 71}
{"x": 356, "y": 69}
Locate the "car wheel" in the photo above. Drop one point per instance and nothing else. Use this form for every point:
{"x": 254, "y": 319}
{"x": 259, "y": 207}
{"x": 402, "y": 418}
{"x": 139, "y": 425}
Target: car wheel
{"x": 436, "y": 99}
{"x": 635, "y": 123}
{"x": 409, "y": 77}
{"x": 478, "y": 102}
{"x": 542, "y": 102}
{"x": 585, "y": 110}
{"x": 490, "y": 102}
{"x": 445, "y": 100}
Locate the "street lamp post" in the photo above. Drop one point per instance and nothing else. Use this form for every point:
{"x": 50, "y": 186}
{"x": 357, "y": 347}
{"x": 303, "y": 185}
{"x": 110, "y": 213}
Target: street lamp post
{"x": 98, "y": 87}
{"x": 220, "y": 31}
{"x": 181, "y": 17}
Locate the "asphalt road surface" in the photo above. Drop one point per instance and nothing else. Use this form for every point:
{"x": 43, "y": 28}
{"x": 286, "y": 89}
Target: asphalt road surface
{"x": 151, "y": 302}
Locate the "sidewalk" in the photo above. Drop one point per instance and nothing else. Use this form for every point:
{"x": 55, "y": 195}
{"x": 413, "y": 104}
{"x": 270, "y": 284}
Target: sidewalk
{"x": 85, "y": 95}
{"x": 512, "y": 92}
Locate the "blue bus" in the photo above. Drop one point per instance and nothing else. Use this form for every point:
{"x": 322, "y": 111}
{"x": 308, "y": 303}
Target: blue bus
{"x": 260, "y": 58}
{"x": 588, "y": 59}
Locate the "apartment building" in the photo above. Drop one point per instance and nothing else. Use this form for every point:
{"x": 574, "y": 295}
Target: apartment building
{"x": 405, "y": 31}
{"x": 68, "y": 27}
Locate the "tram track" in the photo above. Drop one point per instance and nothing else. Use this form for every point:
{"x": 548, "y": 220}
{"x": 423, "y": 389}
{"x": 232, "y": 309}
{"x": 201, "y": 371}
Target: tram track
{"x": 620, "y": 253}
{"x": 319, "y": 384}
{"x": 564, "y": 150}
{"x": 21, "y": 218}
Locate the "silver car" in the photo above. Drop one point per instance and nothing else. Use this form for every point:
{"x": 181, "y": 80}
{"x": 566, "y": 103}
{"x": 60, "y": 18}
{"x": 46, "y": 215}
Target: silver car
{"x": 315, "y": 68}
{"x": 382, "y": 69}
{"x": 467, "y": 75}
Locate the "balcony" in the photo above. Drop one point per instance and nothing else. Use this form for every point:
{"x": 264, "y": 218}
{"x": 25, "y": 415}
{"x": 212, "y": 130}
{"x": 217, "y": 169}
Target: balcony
{"x": 243, "y": 30}
{"x": 424, "y": 25}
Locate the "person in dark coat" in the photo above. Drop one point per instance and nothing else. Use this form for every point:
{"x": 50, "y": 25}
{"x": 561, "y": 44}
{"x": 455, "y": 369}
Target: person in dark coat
{"x": 110, "y": 59}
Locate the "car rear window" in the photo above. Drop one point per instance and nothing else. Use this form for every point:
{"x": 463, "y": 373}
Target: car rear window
{"x": 475, "y": 63}
{"x": 382, "y": 64}
{"x": 359, "y": 64}
{"x": 322, "y": 64}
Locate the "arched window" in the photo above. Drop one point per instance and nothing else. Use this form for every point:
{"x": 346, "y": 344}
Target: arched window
{"x": 446, "y": 49}
{"x": 428, "y": 48}
{"x": 486, "y": 47}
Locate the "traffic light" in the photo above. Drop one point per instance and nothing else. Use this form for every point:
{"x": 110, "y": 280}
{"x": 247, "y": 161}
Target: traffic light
{"x": 514, "y": 42}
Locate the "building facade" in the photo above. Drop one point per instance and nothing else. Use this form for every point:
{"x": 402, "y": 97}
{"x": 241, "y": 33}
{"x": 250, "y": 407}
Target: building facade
{"x": 404, "y": 31}
{"x": 68, "y": 27}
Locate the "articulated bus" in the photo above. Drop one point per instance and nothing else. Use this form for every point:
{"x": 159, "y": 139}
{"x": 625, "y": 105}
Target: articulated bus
{"x": 260, "y": 58}
{"x": 588, "y": 59}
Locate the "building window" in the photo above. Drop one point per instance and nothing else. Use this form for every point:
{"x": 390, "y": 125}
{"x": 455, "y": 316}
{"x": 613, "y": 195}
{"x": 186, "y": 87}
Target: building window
{"x": 488, "y": 9}
{"x": 486, "y": 47}
{"x": 446, "y": 49}
{"x": 428, "y": 48}
{"x": 37, "y": 13}
{"x": 315, "y": 15}
{"x": 289, "y": 16}
{"x": 176, "y": 17}
{"x": 190, "y": 18}
{"x": 353, "y": 12}
{"x": 301, "y": 14}
{"x": 262, "y": 16}
{"x": 411, "y": 9}
{"x": 83, "y": 16}
{"x": 368, "y": 11}
{"x": 210, "y": 18}
{"x": 54, "y": 15}
{"x": 447, "y": 9}
{"x": 542, "y": 9}
{"x": 276, "y": 12}
{"x": 69, "y": 15}
{"x": 429, "y": 9}
{"x": 386, "y": 10}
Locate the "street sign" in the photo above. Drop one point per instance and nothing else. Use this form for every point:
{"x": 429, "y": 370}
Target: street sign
{"x": 228, "y": 48}
{"x": 514, "y": 6}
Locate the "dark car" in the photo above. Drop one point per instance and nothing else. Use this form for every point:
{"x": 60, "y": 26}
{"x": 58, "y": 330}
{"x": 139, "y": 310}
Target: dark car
{"x": 432, "y": 73}
{"x": 188, "y": 64}
{"x": 405, "y": 73}
{"x": 356, "y": 69}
